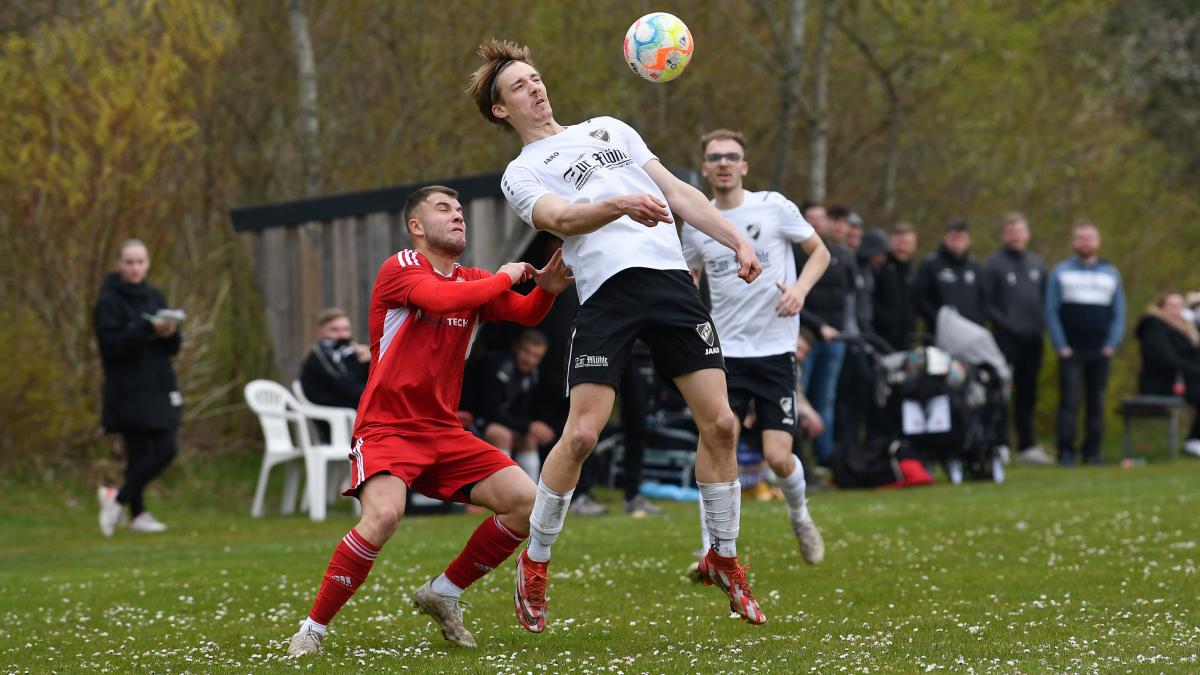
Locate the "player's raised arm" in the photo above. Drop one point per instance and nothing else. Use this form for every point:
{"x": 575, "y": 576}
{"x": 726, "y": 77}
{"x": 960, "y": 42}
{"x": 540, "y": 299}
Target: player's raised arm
{"x": 440, "y": 298}
{"x": 529, "y": 310}
{"x": 555, "y": 214}
{"x": 695, "y": 208}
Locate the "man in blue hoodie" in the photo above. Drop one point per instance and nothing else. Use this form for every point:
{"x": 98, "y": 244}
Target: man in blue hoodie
{"x": 1085, "y": 314}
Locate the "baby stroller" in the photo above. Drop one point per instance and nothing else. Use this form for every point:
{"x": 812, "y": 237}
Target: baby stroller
{"x": 948, "y": 401}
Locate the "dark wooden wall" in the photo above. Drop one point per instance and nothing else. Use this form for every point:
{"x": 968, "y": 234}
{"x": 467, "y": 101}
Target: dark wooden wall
{"x": 304, "y": 267}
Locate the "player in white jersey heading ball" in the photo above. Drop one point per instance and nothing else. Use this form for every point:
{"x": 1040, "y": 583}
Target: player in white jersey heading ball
{"x": 599, "y": 188}
{"x": 758, "y": 322}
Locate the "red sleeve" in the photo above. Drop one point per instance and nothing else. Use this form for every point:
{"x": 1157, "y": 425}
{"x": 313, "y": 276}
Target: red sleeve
{"x": 527, "y": 310}
{"x": 416, "y": 286}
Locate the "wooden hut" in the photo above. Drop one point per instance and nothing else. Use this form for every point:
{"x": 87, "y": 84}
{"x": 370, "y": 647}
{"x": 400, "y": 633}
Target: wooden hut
{"x": 325, "y": 252}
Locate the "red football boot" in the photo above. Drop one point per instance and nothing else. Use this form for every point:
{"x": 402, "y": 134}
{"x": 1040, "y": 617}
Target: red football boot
{"x": 530, "y": 598}
{"x": 731, "y": 578}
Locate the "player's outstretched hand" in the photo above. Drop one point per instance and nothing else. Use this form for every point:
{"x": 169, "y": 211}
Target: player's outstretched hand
{"x": 749, "y": 268}
{"x": 555, "y": 277}
{"x": 790, "y": 303}
{"x": 517, "y": 271}
{"x": 645, "y": 209}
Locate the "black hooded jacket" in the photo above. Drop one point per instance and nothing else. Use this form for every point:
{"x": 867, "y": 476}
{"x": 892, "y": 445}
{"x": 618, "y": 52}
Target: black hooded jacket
{"x": 332, "y": 375}
{"x": 1015, "y": 283}
{"x": 140, "y": 392}
{"x": 948, "y": 280}
{"x": 827, "y": 299}
{"x": 1169, "y": 354}
{"x": 895, "y": 318}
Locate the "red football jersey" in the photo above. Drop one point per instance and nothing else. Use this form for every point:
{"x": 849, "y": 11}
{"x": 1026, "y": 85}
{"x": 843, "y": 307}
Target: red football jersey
{"x": 417, "y": 356}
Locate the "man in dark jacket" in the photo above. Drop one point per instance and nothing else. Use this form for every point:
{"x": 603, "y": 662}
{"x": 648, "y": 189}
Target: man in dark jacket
{"x": 335, "y": 372}
{"x": 826, "y": 303}
{"x": 857, "y": 380}
{"x": 141, "y": 399}
{"x": 505, "y": 388}
{"x": 1085, "y": 316}
{"x": 1170, "y": 346}
{"x": 1014, "y": 281}
{"x": 951, "y": 277}
{"x": 895, "y": 317}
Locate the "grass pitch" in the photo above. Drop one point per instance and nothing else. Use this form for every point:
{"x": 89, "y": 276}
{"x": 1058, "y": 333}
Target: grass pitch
{"x": 1058, "y": 570}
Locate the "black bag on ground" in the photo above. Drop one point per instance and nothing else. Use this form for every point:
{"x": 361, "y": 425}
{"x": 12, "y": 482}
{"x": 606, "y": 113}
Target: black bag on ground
{"x": 867, "y": 464}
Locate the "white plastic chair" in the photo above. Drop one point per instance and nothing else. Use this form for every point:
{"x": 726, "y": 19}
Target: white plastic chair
{"x": 269, "y": 401}
{"x": 341, "y": 429}
{"x": 281, "y": 408}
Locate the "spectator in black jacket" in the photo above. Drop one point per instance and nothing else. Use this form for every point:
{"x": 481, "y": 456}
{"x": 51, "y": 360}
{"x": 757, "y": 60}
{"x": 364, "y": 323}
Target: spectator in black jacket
{"x": 141, "y": 399}
{"x": 1014, "y": 281}
{"x": 951, "y": 277}
{"x": 335, "y": 371}
{"x": 857, "y": 379}
{"x": 895, "y": 317}
{"x": 505, "y": 391}
{"x": 827, "y": 304}
{"x": 1170, "y": 346}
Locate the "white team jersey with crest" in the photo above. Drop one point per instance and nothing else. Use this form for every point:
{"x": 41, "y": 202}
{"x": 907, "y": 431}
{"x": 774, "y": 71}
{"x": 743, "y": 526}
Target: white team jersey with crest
{"x": 589, "y": 162}
{"x": 745, "y": 313}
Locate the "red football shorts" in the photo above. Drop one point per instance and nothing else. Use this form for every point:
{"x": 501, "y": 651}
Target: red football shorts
{"x": 442, "y": 463}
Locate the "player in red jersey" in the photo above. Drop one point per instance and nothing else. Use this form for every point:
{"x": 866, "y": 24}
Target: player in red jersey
{"x": 424, "y": 312}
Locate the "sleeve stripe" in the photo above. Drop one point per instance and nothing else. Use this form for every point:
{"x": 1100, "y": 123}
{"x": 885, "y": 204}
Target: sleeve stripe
{"x": 406, "y": 258}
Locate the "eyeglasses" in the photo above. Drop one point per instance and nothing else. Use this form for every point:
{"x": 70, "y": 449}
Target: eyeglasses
{"x": 716, "y": 157}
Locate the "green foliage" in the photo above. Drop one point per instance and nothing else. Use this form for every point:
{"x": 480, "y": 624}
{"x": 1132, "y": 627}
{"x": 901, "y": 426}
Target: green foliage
{"x": 1058, "y": 570}
{"x": 154, "y": 118}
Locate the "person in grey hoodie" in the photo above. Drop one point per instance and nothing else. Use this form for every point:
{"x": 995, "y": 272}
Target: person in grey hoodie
{"x": 1014, "y": 280}
{"x": 1085, "y": 315}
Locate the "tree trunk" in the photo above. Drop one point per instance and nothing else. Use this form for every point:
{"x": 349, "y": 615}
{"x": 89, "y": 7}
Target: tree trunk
{"x": 818, "y": 159}
{"x": 789, "y": 100}
{"x": 306, "y": 75}
{"x": 895, "y": 122}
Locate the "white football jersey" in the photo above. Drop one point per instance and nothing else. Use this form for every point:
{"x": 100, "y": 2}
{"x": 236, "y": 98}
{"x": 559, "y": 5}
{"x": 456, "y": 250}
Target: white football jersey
{"x": 745, "y": 313}
{"x": 589, "y": 162}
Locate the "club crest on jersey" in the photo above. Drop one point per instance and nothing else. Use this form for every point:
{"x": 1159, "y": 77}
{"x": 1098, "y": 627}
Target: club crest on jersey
{"x": 600, "y": 134}
{"x": 786, "y": 404}
{"x": 754, "y": 229}
{"x": 705, "y": 331}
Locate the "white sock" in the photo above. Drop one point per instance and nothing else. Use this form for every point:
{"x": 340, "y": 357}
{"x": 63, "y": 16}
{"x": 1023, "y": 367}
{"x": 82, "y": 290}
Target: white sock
{"x": 793, "y": 487}
{"x": 443, "y": 586}
{"x": 722, "y": 515}
{"x": 546, "y": 521}
{"x": 310, "y": 625}
{"x": 705, "y": 542}
{"x": 530, "y": 462}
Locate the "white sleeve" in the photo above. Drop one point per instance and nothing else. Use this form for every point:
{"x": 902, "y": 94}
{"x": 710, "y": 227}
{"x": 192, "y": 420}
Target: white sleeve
{"x": 637, "y": 148}
{"x": 792, "y": 224}
{"x": 692, "y": 246}
{"x": 523, "y": 189}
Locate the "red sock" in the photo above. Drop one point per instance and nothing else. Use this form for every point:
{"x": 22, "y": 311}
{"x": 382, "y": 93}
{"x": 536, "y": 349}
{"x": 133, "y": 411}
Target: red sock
{"x": 351, "y": 563}
{"x": 491, "y": 544}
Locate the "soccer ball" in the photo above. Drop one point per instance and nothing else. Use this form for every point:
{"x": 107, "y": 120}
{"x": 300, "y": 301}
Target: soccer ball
{"x": 658, "y": 47}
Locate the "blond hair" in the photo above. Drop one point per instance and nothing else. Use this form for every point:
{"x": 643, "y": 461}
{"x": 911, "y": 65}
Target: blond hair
{"x": 721, "y": 135}
{"x": 329, "y": 314}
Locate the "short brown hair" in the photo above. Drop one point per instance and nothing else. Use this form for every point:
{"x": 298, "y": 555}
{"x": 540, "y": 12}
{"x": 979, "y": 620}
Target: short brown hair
{"x": 497, "y": 55}
{"x": 903, "y": 228}
{"x": 329, "y": 314}
{"x": 721, "y": 135}
{"x": 1014, "y": 217}
{"x": 416, "y": 199}
{"x": 534, "y": 337}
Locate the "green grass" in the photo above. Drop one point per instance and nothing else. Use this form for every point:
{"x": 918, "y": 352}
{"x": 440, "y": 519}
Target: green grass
{"x": 1058, "y": 570}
